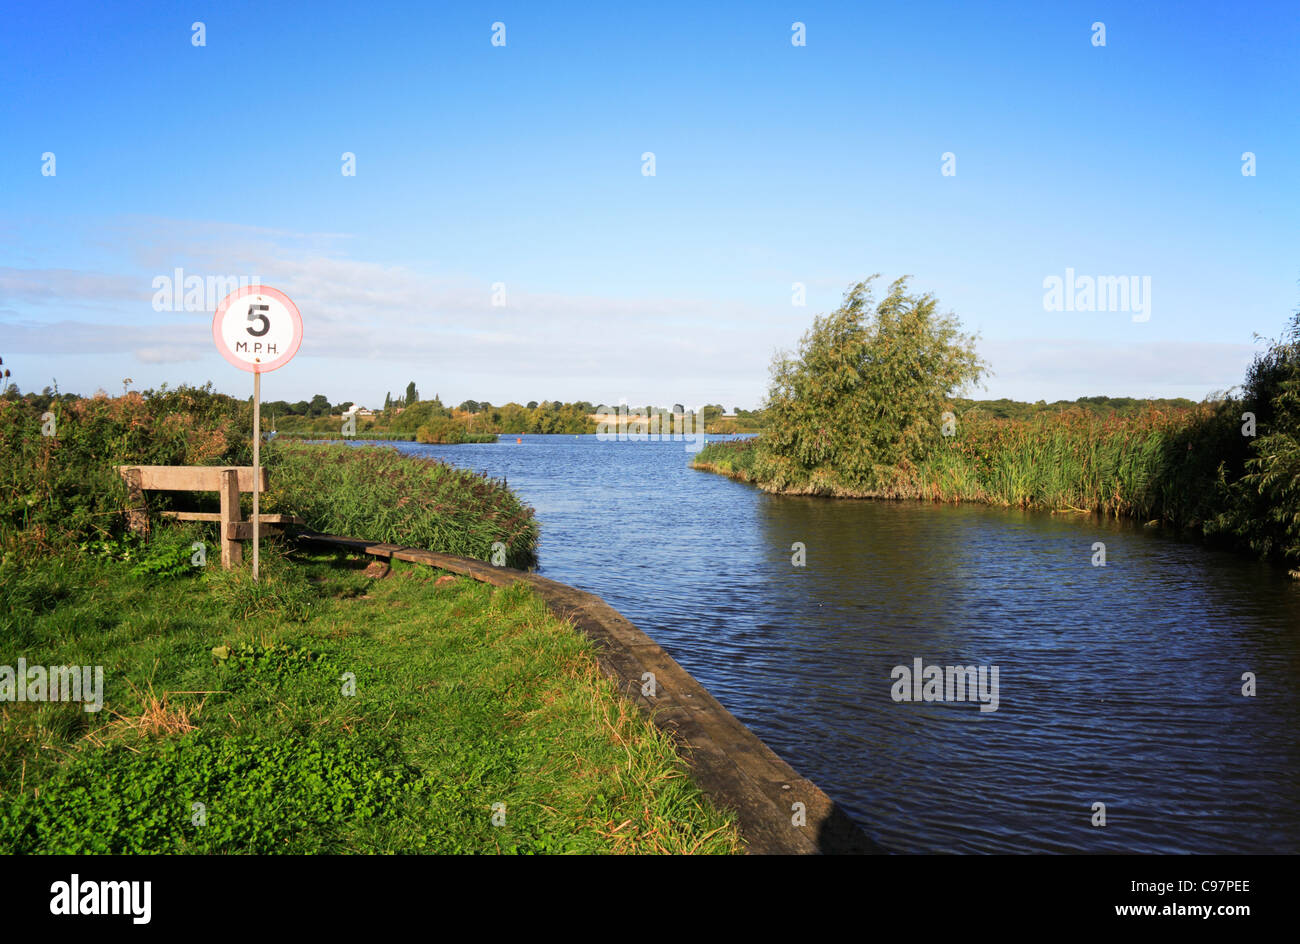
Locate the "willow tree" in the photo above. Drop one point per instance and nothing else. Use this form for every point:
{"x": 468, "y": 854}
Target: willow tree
{"x": 866, "y": 394}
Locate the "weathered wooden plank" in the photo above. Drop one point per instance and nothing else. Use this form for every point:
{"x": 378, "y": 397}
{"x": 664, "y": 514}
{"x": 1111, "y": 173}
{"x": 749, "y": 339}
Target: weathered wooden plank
{"x": 355, "y": 544}
{"x": 276, "y": 519}
{"x": 191, "y": 478}
{"x": 243, "y": 530}
{"x": 382, "y": 550}
{"x": 232, "y": 552}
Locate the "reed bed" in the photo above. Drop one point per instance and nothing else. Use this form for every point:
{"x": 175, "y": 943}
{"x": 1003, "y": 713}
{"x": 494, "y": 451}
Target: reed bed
{"x": 734, "y": 457}
{"x": 380, "y": 494}
{"x": 1163, "y": 465}
{"x": 1125, "y": 467}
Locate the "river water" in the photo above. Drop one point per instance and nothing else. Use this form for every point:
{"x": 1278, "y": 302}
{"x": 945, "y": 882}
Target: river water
{"x": 1118, "y": 684}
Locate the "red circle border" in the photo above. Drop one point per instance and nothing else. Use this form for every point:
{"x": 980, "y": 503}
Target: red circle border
{"x": 279, "y": 296}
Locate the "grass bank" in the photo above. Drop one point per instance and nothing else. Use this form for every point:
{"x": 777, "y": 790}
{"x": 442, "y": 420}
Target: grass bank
{"x": 228, "y": 725}
{"x": 58, "y": 485}
{"x": 478, "y": 721}
{"x": 381, "y": 494}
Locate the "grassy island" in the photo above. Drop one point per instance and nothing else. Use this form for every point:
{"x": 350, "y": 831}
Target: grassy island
{"x": 869, "y": 409}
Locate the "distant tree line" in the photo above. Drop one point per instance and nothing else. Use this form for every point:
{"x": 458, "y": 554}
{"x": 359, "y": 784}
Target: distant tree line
{"x": 408, "y": 414}
{"x": 1004, "y": 409}
{"x": 318, "y": 405}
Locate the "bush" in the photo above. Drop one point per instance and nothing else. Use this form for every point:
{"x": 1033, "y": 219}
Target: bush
{"x": 442, "y": 429}
{"x": 1263, "y": 505}
{"x": 62, "y": 489}
{"x": 866, "y": 394}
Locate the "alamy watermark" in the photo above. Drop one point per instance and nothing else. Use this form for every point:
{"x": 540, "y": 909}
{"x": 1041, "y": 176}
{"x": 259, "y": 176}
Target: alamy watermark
{"x": 81, "y": 683}
{"x": 1101, "y": 293}
{"x": 620, "y": 424}
{"x": 946, "y": 683}
{"x": 75, "y": 897}
{"x": 181, "y": 292}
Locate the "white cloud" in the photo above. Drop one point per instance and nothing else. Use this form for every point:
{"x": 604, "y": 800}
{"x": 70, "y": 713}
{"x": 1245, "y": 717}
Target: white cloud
{"x": 387, "y": 320}
{"x": 66, "y": 287}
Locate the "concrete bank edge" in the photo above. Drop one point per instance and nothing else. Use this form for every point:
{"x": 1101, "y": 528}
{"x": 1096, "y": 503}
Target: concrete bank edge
{"x": 731, "y": 764}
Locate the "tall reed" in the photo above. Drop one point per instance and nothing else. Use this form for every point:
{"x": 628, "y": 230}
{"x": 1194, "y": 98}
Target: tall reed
{"x": 1160, "y": 464}
{"x": 380, "y": 494}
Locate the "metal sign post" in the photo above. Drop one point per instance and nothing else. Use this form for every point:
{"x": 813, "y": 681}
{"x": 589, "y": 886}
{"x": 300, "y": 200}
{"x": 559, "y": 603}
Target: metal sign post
{"x": 257, "y": 328}
{"x": 257, "y": 470}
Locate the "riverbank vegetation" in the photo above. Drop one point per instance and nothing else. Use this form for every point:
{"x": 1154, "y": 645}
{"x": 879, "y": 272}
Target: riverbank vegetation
{"x": 58, "y": 484}
{"x": 59, "y": 487}
{"x": 431, "y": 421}
{"x": 379, "y": 494}
{"x": 322, "y": 710}
{"x": 867, "y": 410}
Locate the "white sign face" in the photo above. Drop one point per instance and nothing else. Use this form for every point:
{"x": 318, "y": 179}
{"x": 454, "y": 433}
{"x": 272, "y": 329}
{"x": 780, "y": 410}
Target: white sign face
{"x": 257, "y": 328}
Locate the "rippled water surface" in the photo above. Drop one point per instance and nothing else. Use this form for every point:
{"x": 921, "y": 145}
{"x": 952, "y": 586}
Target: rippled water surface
{"x": 1118, "y": 684}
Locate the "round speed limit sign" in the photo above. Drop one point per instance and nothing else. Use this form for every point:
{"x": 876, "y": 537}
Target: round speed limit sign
{"x": 257, "y": 328}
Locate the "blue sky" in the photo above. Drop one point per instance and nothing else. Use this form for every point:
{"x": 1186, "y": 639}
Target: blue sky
{"x": 522, "y": 164}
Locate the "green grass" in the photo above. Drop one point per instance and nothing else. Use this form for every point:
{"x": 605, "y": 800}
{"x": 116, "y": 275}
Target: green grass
{"x": 381, "y": 495}
{"x": 230, "y": 695}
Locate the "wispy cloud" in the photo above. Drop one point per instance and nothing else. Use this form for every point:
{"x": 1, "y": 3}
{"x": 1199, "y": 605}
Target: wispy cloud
{"x": 377, "y": 314}
{"x": 66, "y": 287}
{"x": 372, "y": 311}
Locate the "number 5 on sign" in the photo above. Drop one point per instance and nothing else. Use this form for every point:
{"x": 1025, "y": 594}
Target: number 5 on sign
{"x": 257, "y": 328}
{"x": 255, "y": 313}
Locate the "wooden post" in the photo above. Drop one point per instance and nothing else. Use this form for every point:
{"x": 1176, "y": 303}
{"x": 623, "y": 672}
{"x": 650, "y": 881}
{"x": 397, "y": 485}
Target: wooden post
{"x": 137, "y": 514}
{"x": 232, "y": 552}
{"x": 257, "y": 466}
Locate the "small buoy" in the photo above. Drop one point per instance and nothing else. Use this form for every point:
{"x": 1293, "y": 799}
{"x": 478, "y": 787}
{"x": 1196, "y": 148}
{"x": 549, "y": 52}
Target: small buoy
{"x": 518, "y": 440}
